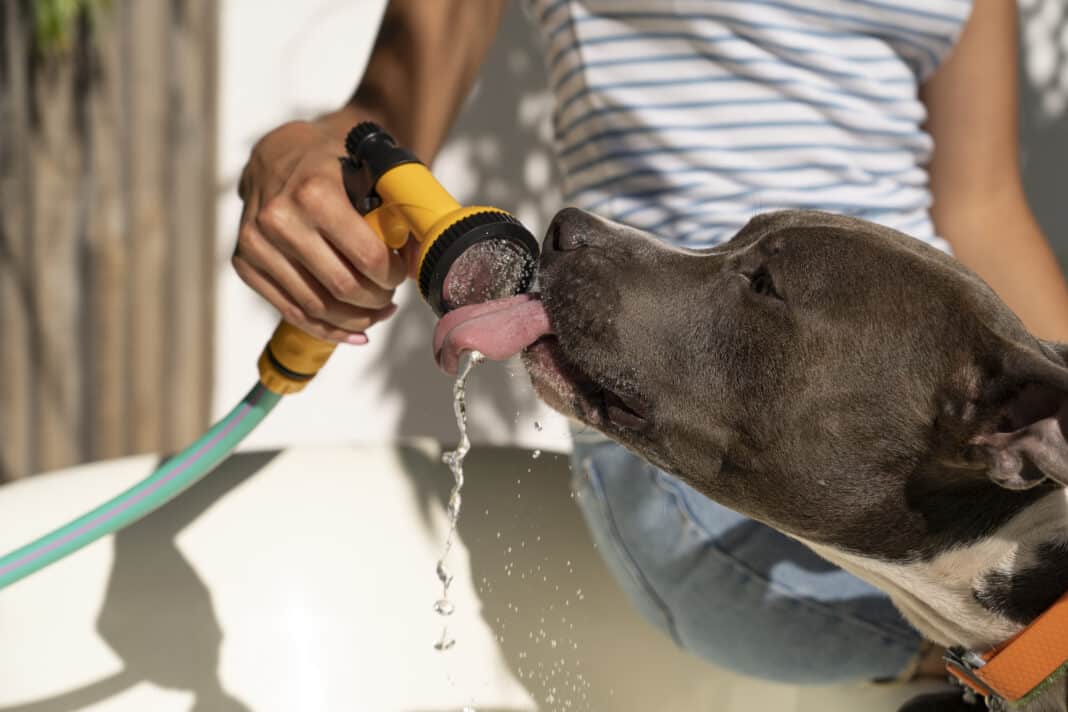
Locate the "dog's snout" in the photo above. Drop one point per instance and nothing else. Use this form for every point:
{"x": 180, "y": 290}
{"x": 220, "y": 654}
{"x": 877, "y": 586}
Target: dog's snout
{"x": 570, "y": 230}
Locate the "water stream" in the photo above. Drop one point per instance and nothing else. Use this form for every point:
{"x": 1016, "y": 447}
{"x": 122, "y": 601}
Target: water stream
{"x": 455, "y": 460}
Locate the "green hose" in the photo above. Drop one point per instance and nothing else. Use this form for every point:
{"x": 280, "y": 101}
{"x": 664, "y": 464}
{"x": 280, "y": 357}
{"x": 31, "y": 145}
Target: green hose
{"x": 169, "y": 480}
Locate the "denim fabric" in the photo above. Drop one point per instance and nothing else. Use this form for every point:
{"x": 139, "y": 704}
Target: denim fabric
{"x": 731, "y": 590}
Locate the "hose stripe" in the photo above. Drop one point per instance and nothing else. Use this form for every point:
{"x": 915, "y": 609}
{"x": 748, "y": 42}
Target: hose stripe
{"x": 179, "y": 473}
{"x": 127, "y": 504}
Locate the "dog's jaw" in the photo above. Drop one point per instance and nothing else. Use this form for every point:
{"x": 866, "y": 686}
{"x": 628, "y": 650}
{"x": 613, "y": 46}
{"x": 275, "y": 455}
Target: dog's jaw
{"x": 559, "y": 385}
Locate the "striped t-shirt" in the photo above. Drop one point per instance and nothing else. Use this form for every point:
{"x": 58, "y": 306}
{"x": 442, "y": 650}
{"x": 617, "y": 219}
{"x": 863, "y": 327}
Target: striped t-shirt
{"x": 687, "y": 117}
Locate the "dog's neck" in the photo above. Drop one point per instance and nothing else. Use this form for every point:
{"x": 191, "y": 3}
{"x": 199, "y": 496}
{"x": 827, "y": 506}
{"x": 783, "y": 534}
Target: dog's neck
{"x": 977, "y": 595}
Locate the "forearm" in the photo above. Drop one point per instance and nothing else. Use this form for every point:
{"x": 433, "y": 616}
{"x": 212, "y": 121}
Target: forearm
{"x": 425, "y": 60}
{"x": 1000, "y": 240}
{"x": 979, "y": 202}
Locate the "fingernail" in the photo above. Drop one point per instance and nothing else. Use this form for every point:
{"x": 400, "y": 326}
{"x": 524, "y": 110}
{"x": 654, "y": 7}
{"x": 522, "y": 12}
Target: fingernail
{"x": 356, "y": 339}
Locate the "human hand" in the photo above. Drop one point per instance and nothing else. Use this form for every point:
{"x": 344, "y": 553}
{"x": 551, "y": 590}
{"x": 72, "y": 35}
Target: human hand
{"x": 303, "y": 247}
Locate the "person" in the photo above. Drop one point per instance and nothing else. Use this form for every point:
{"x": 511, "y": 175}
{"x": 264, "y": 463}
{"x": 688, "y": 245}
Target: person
{"x": 687, "y": 121}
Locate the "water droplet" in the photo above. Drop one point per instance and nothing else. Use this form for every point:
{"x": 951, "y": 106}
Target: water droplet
{"x": 537, "y": 426}
{"x": 536, "y": 454}
{"x": 444, "y": 644}
{"x": 444, "y": 607}
{"x": 443, "y": 574}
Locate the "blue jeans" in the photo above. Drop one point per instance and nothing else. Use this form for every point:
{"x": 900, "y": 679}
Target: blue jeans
{"x": 730, "y": 590}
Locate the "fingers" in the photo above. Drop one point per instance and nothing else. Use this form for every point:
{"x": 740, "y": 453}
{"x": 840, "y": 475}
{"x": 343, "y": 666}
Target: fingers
{"x": 326, "y": 203}
{"x": 298, "y": 295}
{"x": 291, "y": 233}
{"x": 302, "y": 245}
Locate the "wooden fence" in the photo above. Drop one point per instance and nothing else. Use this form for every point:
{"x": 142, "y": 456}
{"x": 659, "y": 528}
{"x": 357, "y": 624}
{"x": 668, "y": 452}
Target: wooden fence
{"x": 107, "y": 198}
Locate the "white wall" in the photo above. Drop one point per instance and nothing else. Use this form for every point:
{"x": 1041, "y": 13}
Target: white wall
{"x": 283, "y": 60}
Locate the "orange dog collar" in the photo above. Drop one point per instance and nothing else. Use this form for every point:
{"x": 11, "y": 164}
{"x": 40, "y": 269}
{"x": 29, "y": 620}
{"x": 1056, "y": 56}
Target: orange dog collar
{"x": 1020, "y": 667}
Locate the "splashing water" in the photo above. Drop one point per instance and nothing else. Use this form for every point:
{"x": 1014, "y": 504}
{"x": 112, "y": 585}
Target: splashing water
{"x": 487, "y": 270}
{"x": 455, "y": 460}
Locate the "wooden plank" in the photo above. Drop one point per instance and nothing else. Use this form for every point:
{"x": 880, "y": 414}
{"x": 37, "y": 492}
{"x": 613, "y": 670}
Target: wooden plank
{"x": 191, "y": 213}
{"x": 106, "y": 347}
{"x": 145, "y": 41}
{"x": 16, "y": 401}
{"x": 107, "y": 200}
{"x": 57, "y": 224}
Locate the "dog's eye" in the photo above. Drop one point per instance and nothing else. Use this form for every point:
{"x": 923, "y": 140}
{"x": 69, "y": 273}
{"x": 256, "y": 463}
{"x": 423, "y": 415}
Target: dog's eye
{"x": 761, "y": 282}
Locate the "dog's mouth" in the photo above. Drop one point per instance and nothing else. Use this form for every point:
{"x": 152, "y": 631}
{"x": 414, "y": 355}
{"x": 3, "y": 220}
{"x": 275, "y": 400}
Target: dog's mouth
{"x": 568, "y": 388}
{"x": 506, "y": 327}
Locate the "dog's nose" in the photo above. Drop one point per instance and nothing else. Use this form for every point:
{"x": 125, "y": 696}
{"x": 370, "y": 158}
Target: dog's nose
{"x": 569, "y": 230}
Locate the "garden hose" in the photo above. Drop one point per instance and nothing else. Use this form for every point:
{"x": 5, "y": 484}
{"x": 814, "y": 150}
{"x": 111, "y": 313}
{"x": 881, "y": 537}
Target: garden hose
{"x": 170, "y": 479}
{"x": 467, "y": 255}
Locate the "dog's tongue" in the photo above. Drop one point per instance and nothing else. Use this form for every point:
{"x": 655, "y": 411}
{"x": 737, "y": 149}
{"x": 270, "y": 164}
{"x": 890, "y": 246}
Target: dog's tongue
{"x": 500, "y": 329}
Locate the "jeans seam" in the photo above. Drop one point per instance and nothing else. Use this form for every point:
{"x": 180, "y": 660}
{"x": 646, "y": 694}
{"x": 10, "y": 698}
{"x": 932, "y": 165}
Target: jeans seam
{"x": 794, "y": 596}
{"x": 636, "y": 572}
{"x": 672, "y": 489}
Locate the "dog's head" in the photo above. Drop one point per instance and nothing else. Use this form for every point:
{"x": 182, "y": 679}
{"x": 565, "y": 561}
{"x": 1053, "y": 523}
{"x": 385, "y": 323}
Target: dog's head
{"x": 836, "y": 379}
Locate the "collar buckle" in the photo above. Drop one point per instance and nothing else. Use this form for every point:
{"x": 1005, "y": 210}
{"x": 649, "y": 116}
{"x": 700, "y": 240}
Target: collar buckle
{"x": 963, "y": 663}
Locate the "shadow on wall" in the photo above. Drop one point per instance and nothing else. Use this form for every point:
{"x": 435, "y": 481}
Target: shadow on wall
{"x": 502, "y": 139}
{"x": 1044, "y": 115}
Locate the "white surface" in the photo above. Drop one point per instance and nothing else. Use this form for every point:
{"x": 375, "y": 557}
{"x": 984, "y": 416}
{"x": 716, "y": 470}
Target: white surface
{"x": 304, "y": 581}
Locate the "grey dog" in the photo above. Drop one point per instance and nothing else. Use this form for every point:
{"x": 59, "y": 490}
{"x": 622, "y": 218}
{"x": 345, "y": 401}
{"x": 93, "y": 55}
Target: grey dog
{"x": 841, "y": 382}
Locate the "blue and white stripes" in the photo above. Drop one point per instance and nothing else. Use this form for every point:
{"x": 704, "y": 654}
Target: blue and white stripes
{"x": 687, "y": 117}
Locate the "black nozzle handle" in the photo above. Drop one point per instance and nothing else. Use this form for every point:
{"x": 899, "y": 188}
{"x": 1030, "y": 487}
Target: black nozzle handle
{"x": 371, "y": 153}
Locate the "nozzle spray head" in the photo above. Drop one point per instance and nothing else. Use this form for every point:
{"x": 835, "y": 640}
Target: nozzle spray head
{"x": 485, "y": 256}
{"x": 468, "y": 255}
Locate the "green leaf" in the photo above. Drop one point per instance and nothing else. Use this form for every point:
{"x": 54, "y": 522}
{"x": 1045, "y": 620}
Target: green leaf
{"x": 55, "y": 21}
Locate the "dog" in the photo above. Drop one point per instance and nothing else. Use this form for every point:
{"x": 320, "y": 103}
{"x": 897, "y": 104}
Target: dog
{"x": 841, "y": 382}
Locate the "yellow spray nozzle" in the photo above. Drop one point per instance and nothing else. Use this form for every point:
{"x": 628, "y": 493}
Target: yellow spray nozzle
{"x": 291, "y": 359}
{"x": 398, "y": 197}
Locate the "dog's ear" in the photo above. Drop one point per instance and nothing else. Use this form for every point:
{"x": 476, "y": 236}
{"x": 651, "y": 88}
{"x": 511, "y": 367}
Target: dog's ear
{"x": 1026, "y": 444}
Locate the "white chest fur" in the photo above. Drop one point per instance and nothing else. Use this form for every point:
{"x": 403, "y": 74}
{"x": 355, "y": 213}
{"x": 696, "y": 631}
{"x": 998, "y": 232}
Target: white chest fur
{"x": 938, "y": 596}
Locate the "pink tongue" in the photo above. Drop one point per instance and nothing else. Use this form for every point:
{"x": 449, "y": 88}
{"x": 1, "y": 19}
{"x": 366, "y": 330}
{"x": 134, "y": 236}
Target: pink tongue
{"x": 500, "y": 329}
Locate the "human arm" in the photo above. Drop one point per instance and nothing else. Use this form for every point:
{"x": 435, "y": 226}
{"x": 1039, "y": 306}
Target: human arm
{"x": 300, "y": 243}
{"x": 979, "y": 202}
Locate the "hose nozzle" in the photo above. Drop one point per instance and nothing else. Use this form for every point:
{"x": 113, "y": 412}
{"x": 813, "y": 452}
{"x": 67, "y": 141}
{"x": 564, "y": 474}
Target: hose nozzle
{"x": 466, "y": 254}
